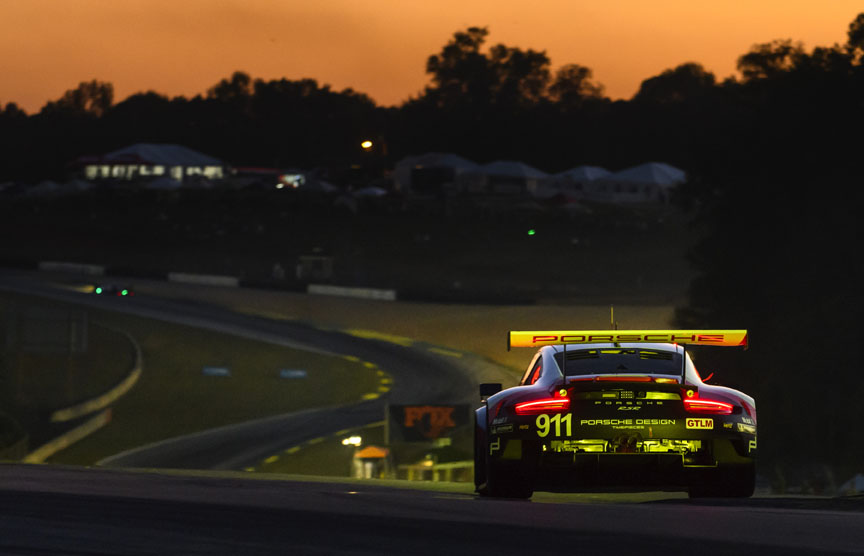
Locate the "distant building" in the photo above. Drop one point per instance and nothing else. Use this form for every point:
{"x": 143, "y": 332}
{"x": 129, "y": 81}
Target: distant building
{"x": 152, "y": 161}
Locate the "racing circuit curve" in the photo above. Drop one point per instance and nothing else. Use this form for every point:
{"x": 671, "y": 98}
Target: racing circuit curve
{"x": 419, "y": 376}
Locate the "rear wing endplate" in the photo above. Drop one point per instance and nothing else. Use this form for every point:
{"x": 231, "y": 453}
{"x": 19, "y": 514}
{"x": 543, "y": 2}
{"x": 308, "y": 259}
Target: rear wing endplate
{"x": 538, "y": 338}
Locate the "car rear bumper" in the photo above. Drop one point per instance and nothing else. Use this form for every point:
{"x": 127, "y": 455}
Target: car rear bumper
{"x": 570, "y": 470}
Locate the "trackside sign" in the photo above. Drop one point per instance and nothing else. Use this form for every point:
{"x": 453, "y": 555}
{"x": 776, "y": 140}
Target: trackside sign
{"x": 423, "y": 423}
{"x": 537, "y": 338}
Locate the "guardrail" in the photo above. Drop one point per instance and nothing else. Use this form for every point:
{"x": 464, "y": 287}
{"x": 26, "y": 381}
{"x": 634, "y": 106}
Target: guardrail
{"x": 204, "y": 279}
{"x": 68, "y": 438}
{"x": 219, "y": 280}
{"x": 104, "y": 400}
{"x": 93, "y": 405}
{"x": 462, "y": 470}
{"x": 344, "y": 291}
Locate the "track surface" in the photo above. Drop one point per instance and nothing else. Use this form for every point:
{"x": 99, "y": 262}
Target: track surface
{"x": 77, "y": 511}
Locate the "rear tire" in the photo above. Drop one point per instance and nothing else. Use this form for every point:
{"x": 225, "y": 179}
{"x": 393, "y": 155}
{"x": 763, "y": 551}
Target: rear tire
{"x": 506, "y": 482}
{"x": 480, "y": 448}
{"x": 737, "y": 481}
{"x": 497, "y": 480}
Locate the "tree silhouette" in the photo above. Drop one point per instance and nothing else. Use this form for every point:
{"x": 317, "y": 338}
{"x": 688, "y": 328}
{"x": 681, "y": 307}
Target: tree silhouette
{"x": 12, "y": 111}
{"x": 572, "y": 86}
{"x": 508, "y": 77}
{"x": 855, "y": 33}
{"x": 686, "y": 82}
{"x": 92, "y": 98}
{"x": 238, "y": 87}
{"x": 521, "y": 76}
{"x": 770, "y": 59}
{"x": 460, "y": 73}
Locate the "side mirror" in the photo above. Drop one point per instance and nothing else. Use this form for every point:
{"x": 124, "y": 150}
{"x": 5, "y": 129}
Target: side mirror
{"x": 489, "y": 389}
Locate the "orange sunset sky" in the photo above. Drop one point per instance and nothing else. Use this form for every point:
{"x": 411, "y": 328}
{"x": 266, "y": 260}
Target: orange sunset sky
{"x": 182, "y": 47}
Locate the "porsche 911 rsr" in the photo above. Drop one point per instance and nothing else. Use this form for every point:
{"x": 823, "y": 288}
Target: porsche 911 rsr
{"x": 599, "y": 409}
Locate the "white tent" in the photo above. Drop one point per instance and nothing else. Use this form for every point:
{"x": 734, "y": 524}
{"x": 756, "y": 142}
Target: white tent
{"x": 511, "y": 177}
{"x": 646, "y": 183}
{"x": 431, "y": 170}
{"x": 654, "y": 173}
{"x": 574, "y": 182}
{"x": 161, "y": 153}
{"x": 584, "y": 173}
{"x": 513, "y": 169}
{"x": 151, "y": 159}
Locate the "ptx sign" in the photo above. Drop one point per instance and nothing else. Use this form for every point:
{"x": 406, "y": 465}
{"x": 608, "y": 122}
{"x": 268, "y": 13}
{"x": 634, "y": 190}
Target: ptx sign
{"x": 416, "y": 423}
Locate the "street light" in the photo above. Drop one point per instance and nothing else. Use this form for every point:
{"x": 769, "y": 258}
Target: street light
{"x": 366, "y": 145}
{"x": 352, "y": 441}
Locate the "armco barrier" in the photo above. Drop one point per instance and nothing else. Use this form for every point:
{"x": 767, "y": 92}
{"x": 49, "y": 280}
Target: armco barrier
{"x": 204, "y": 279}
{"x": 68, "y": 438}
{"x": 343, "y": 291}
{"x": 76, "y": 268}
{"x": 104, "y": 400}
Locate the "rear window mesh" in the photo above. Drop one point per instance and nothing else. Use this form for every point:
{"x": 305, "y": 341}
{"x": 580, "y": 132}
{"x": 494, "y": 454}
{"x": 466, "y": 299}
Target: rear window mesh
{"x": 620, "y": 360}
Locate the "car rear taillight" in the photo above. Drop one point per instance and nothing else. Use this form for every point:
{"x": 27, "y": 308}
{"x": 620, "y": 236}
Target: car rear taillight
{"x": 546, "y": 405}
{"x": 697, "y": 405}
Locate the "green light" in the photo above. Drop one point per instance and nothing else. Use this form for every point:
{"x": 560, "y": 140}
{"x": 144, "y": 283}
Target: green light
{"x": 532, "y": 232}
{"x": 124, "y": 292}
{"x": 98, "y": 290}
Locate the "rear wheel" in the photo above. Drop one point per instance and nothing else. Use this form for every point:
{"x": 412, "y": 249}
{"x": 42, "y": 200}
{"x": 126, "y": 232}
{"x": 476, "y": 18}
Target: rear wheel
{"x": 737, "y": 481}
{"x": 480, "y": 449}
{"x": 495, "y": 479}
{"x": 506, "y": 481}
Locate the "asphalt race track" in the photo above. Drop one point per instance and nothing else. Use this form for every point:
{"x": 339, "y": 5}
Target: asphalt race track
{"x": 54, "y": 510}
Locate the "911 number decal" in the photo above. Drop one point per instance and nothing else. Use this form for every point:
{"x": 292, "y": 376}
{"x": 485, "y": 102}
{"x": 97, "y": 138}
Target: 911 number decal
{"x": 544, "y": 424}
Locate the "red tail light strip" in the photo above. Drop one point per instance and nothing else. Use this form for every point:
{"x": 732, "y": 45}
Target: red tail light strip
{"x": 708, "y": 406}
{"x": 546, "y": 405}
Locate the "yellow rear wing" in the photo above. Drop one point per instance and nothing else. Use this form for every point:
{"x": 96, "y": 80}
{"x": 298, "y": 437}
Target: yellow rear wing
{"x": 538, "y": 338}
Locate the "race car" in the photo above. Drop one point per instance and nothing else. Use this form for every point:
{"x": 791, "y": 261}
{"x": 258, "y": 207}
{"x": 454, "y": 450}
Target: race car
{"x": 615, "y": 408}
{"x": 113, "y": 289}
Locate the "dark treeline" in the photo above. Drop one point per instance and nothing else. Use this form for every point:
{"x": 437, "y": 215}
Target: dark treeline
{"x": 773, "y": 156}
